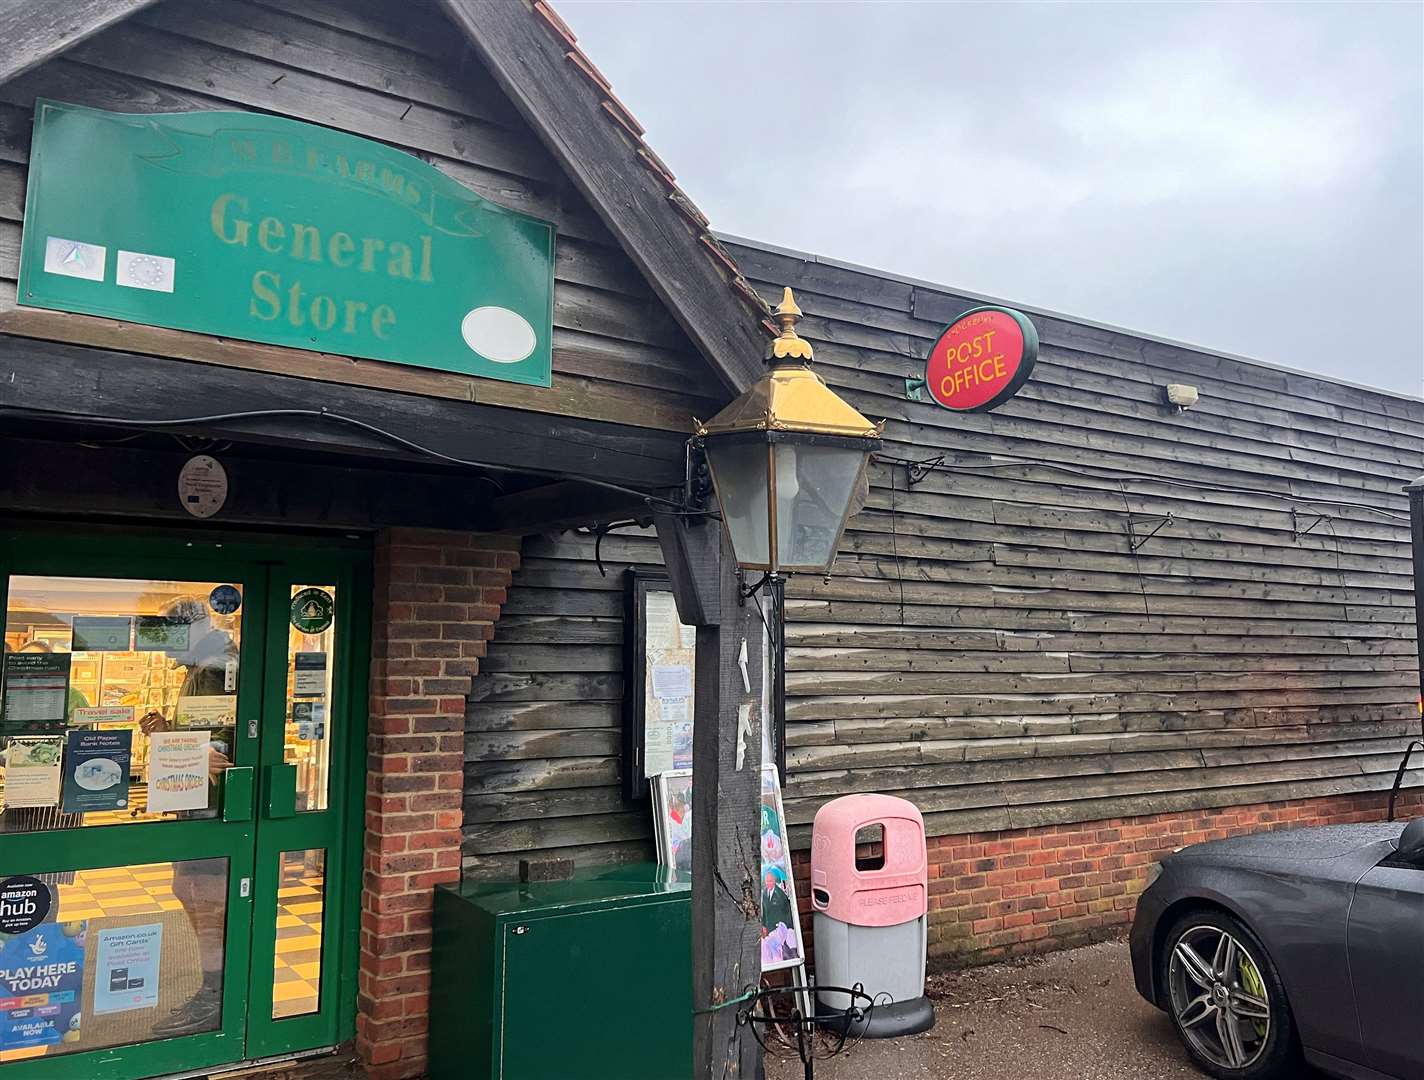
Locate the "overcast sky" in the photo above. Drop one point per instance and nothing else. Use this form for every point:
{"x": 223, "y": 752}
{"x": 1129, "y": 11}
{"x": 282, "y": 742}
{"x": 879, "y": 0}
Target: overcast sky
{"x": 1246, "y": 177}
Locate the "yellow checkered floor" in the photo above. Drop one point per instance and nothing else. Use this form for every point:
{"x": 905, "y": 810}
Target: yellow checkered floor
{"x": 296, "y": 978}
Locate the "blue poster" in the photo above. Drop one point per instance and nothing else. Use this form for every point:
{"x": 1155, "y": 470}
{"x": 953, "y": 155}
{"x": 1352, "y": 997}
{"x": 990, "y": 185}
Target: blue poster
{"x": 96, "y": 770}
{"x": 41, "y": 979}
{"x": 126, "y": 968}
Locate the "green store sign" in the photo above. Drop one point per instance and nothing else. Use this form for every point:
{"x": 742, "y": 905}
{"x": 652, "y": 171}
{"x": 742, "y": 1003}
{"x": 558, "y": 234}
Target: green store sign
{"x": 266, "y": 229}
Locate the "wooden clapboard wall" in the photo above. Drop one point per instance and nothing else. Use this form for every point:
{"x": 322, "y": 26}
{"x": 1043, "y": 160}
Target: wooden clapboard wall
{"x": 991, "y": 646}
{"x": 400, "y": 74}
{"x": 543, "y": 733}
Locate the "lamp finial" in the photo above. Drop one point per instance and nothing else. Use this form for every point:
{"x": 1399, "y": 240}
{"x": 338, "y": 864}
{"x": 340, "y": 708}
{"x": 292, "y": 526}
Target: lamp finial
{"x": 788, "y": 345}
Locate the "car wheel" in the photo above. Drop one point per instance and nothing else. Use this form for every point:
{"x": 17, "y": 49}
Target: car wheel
{"x": 1226, "y": 1000}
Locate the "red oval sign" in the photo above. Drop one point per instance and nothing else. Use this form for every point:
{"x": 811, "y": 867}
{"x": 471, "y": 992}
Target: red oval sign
{"x": 981, "y": 359}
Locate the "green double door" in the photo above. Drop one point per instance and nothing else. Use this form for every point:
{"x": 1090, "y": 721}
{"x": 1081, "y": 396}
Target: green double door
{"x": 182, "y": 728}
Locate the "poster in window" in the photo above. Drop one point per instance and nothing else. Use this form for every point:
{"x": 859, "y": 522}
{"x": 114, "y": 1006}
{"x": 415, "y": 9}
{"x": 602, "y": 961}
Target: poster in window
{"x": 41, "y": 984}
{"x": 126, "y": 968}
{"x": 177, "y": 771}
{"x": 32, "y": 771}
{"x": 36, "y": 692}
{"x": 96, "y": 770}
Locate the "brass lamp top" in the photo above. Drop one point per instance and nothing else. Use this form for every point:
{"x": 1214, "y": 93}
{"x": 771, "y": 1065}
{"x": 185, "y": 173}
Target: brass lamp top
{"x": 790, "y": 396}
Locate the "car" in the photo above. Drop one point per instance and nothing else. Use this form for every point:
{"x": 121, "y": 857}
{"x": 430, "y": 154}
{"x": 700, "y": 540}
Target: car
{"x": 1275, "y": 949}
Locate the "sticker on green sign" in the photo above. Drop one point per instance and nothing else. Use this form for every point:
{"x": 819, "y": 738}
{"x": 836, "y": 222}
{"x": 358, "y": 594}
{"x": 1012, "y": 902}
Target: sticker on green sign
{"x": 267, "y": 229}
{"x": 313, "y": 610}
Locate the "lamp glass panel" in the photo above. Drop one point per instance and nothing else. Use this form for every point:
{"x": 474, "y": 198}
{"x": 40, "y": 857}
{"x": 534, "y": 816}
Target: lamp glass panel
{"x": 739, "y": 471}
{"x": 814, "y": 488}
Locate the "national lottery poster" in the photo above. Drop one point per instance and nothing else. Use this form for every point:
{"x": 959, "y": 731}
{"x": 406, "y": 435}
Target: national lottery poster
{"x": 41, "y": 980}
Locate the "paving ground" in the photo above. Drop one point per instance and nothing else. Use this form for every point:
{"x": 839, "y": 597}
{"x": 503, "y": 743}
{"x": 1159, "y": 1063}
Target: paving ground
{"x": 1073, "y": 1015}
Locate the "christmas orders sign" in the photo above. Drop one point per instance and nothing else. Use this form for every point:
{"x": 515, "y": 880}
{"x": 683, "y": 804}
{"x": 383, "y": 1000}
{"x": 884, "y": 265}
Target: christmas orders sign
{"x": 41, "y": 978}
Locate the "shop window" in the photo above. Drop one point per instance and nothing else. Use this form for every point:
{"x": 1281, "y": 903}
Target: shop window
{"x": 118, "y": 700}
{"x": 130, "y": 954}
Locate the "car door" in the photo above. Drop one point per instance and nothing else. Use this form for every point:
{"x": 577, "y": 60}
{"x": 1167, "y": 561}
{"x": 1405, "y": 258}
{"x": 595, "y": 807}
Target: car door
{"x": 1386, "y": 948}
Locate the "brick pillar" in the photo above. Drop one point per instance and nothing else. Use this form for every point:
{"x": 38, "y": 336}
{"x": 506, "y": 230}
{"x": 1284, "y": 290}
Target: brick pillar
{"x": 437, "y": 597}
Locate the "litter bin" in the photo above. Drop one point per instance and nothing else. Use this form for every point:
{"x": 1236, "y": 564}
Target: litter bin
{"x": 872, "y": 911}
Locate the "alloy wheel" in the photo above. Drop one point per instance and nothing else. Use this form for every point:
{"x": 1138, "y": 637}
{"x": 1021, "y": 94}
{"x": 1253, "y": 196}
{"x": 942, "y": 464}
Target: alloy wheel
{"x": 1219, "y": 998}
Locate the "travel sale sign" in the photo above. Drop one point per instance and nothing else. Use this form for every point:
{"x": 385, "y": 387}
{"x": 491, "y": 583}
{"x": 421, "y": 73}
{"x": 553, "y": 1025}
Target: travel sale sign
{"x": 267, "y": 229}
{"x": 981, "y": 359}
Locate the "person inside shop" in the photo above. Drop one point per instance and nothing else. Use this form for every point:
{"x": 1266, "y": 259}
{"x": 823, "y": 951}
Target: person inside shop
{"x": 200, "y": 885}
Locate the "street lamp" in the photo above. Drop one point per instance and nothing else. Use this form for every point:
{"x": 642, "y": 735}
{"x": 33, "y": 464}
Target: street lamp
{"x": 788, "y": 460}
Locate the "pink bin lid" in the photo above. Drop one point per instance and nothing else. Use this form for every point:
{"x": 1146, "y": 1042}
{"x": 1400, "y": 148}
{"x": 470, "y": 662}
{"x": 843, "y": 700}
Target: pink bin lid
{"x": 894, "y": 893}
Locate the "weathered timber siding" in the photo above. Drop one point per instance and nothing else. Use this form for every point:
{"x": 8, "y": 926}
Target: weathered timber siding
{"x": 399, "y": 74}
{"x": 544, "y": 728}
{"x": 991, "y": 647}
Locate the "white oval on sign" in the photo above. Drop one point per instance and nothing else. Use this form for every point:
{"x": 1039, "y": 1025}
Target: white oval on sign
{"x": 202, "y": 486}
{"x": 498, "y": 334}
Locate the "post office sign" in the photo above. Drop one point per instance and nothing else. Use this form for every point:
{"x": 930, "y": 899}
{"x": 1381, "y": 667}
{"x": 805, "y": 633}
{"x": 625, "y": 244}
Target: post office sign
{"x": 267, "y": 229}
{"x": 982, "y": 359}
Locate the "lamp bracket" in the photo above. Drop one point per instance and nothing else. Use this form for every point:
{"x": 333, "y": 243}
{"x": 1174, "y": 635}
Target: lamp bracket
{"x": 1136, "y": 539}
{"x": 1296, "y": 515}
{"x": 745, "y": 592}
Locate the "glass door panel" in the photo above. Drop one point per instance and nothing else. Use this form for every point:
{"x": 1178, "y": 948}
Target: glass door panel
{"x": 133, "y": 682}
{"x": 296, "y": 972}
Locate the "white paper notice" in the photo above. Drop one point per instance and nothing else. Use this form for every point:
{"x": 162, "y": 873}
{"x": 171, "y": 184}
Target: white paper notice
{"x": 32, "y": 770}
{"x": 672, "y": 682}
{"x": 206, "y": 710}
{"x": 103, "y": 714}
{"x": 657, "y": 749}
{"x": 178, "y": 770}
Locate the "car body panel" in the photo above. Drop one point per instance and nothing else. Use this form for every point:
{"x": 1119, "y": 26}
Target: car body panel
{"x": 1295, "y": 890}
{"x": 1387, "y": 967}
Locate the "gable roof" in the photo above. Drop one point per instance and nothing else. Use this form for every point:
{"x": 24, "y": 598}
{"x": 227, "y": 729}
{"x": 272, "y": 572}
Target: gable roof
{"x": 38, "y": 30}
{"x": 536, "y": 61}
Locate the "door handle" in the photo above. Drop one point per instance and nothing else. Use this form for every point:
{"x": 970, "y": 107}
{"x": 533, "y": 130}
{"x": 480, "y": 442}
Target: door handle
{"x": 280, "y": 791}
{"x": 237, "y": 793}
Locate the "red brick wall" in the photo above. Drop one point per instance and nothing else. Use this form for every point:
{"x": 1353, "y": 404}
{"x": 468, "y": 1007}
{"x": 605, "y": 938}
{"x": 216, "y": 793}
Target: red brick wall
{"x": 437, "y": 597}
{"x": 1004, "y": 894}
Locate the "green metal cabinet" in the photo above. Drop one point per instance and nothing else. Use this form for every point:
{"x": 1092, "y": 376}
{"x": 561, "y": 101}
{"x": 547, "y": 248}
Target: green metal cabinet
{"x": 585, "y": 979}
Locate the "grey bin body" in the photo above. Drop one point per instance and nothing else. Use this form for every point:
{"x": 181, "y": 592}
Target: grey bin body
{"x": 872, "y": 919}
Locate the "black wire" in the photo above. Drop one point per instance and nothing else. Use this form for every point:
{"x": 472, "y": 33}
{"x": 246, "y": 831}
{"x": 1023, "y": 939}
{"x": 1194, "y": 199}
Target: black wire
{"x": 326, "y": 414}
{"x": 1113, "y": 474}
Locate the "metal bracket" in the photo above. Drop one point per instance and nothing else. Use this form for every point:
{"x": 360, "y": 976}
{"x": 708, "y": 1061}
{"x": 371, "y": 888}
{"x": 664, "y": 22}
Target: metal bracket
{"x": 1136, "y": 540}
{"x": 1296, "y": 515}
{"x": 915, "y": 471}
{"x": 913, "y": 387}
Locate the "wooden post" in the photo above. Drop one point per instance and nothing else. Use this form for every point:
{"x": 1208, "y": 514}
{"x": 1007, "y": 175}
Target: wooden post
{"x": 726, "y": 793}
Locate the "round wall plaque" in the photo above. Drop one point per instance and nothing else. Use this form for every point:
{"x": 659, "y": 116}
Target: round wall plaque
{"x": 202, "y": 486}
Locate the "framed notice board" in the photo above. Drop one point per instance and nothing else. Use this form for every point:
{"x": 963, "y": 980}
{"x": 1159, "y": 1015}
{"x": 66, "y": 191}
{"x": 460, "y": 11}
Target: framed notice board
{"x": 659, "y": 676}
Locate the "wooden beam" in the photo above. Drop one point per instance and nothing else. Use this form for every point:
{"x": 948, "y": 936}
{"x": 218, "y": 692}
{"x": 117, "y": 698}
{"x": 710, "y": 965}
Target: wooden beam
{"x": 563, "y": 107}
{"x": 41, "y": 477}
{"x": 726, "y": 795}
{"x": 561, "y": 505}
{"x": 34, "y": 31}
{"x": 570, "y": 394}
{"x": 58, "y": 381}
{"x": 691, "y": 552}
